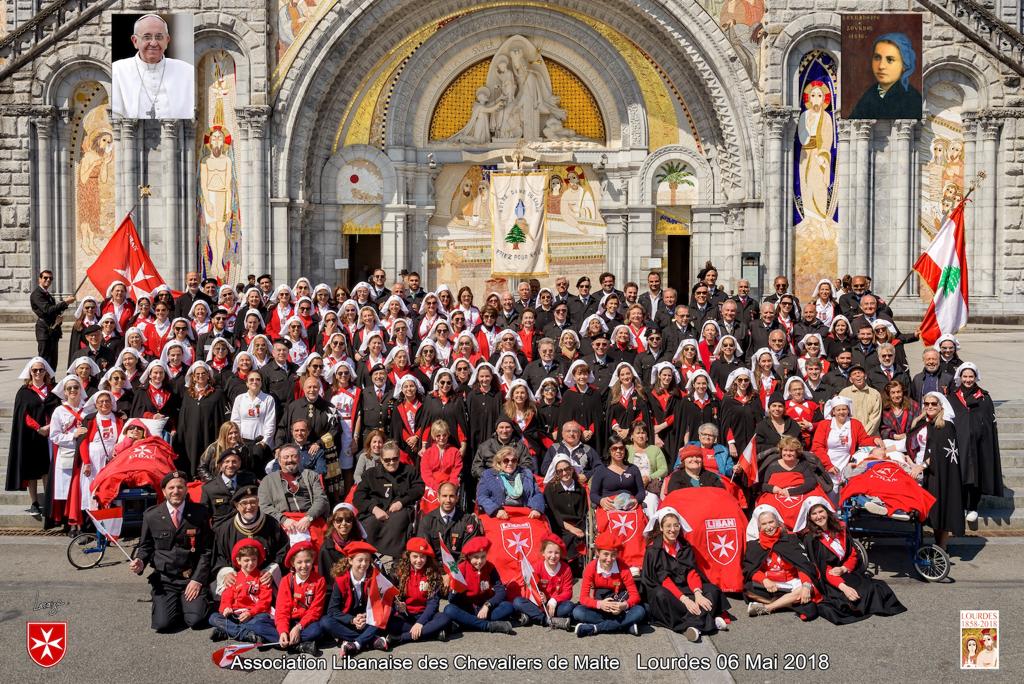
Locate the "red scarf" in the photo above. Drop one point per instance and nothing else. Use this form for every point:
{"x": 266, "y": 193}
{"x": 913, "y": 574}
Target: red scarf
{"x": 767, "y": 541}
{"x": 158, "y": 396}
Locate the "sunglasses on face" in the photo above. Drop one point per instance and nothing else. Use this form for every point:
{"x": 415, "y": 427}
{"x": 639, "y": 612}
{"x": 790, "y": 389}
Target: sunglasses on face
{"x": 931, "y": 403}
{"x": 37, "y": 370}
{"x": 562, "y": 471}
{"x": 389, "y": 460}
{"x": 509, "y": 461}
{"x": 444, "y": 383}
{"x": 179, "y": 329}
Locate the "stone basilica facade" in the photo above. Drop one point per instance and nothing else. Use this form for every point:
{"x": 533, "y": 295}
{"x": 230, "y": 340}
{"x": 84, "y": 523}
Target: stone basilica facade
{"x": 635, "y": 133}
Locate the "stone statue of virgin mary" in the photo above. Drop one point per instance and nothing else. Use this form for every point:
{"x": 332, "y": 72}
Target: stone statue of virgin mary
{"x": 517, "y": 101}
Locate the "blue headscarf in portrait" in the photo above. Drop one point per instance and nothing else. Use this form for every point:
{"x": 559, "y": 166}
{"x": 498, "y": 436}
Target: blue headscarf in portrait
{"x": 907, "y": 54}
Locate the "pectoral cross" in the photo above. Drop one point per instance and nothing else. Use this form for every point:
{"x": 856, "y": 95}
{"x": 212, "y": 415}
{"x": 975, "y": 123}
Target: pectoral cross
{"x": 152, "y": 111}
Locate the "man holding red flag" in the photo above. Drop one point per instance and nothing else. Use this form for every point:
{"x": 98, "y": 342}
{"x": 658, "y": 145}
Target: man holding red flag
{"x": 944, "y": 267}
{"x": 125, "y": 259}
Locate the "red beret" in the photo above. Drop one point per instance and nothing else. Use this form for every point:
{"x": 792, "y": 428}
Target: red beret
{"x": 556, "y": 540}
{"x": 261, "y": 553}
{"x": 352, "y": 548}
{"x": 419, "y": 545}
{"x": 476, "y": 545}
{"x": 301, "y": 546}
{"x": 608, "y": 541}
{"x": 691, "y": 450}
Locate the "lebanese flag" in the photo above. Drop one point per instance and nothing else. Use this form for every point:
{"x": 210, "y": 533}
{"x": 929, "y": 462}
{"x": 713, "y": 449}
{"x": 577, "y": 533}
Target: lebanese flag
{"x": 530, "y": 589}
{"x": 224, "y": 657}
{"x": 125, "y": 259}
{"x": 511, "y": 539}
{"x": 748, "y": 463}
{"x": 380, "y": 596}
{"x": 108, "y": 521}
{"x": 944, "y": 267}
{"x": 717, "y": 533}
{"x": 629, "y": 527}
{"x": 456, "y": 580}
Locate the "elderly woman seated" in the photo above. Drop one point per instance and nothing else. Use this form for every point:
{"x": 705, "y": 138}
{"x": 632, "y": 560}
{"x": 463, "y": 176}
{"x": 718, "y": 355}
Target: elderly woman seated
{"x": 788, "y": 476}
{"x": 386, "y": 499}
{"x": 506, "y": 483}
{"x": 777, "y": 572}
{"x": 691, "y": 472}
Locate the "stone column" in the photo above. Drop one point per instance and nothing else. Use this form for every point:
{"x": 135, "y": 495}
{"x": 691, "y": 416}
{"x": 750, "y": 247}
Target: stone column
{"x": 899, "y": 248}
{"x": 989, "y": 231}
{"x": 732, "y": 218}
{"x": 169, "y": 179}
{"x": 189, "y": 257}
{"x": 64, "y": 230}
{"x": 260, "y": 241}
{"x": 775, "y": 120}
{"x": 127, "y": 163}
{"x": 861, "y": 233}
{"x": 844, "y": 167}
{"x": 277, "y": 258}
{"x": 393, "y": 253}
{"x": 44, "y": 122}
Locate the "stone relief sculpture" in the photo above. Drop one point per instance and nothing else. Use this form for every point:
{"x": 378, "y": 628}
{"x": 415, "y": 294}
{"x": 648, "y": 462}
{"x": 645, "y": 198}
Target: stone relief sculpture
{"x": 517, "y": 101}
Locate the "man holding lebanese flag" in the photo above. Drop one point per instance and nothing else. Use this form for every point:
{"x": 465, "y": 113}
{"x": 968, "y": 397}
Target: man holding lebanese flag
{"x": 944, "y": 267}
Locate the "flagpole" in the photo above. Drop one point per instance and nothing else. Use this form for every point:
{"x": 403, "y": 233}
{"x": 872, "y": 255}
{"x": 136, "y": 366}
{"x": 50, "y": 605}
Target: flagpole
{"x": 126, "y": 554}
{"x": 971, "y": 188}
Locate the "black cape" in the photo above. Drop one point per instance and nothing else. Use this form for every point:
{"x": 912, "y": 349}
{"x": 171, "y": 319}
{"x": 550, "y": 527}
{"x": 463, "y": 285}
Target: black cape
{"x": 665, "y": 609}
{"x": 29, "y": 454}
{"x": 198, "y": 423}
{"x": 942, "y": 477}
{"x": 978, "y": 441}
{"x": 791, "y": 550}
{"x": 876, "y": 598}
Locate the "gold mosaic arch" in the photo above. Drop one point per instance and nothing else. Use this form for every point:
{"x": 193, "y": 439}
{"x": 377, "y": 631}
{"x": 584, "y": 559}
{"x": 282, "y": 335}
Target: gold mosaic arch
{"x": 364, "y": 118}
{"x": 455, "y": 106}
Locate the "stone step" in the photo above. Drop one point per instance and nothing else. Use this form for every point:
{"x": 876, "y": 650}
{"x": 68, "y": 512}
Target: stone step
{"x": 1013, "y": 477}
{"x": 17, "y": 498}
{"x": 999, "y": 519}
{"x": 1010, "y": 409}
{"x": 15, "y": 517}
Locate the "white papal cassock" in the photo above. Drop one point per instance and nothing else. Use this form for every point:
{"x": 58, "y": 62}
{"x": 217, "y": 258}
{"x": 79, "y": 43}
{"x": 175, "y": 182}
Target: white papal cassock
{"x": 165, "y": 90}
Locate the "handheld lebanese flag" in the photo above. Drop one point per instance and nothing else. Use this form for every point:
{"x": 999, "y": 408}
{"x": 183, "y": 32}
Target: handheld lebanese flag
{"x": 125, "y": 259}
{"x": 223, "y": 657}
{"x": 748, "y": 463}
{"x": 451, "y": 568}
{"x": 531, "y": 590}
{"x": 944, "y": 267}
{"x": 380, "y": 596}
{"x": 108, "y": 521}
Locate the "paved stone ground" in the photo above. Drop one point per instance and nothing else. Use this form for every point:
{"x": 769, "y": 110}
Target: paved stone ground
{"x": 109, "y": 637}
{"x": 110, "y": 640}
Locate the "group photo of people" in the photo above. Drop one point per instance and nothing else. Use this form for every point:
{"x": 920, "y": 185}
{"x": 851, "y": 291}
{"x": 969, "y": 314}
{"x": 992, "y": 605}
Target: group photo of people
{"x": 345, "y": 467}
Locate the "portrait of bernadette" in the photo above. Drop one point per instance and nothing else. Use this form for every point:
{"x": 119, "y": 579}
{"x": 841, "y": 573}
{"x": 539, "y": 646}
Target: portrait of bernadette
{"x": 893, "y": 60}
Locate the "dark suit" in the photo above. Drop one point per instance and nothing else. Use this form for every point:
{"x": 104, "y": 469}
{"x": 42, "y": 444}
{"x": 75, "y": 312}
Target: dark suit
{"x": 758, "y": 336}
{"x": 184, "y": 303}
{"x": 578, "y": 311}
{"x": 216, "y": 495}
{"x": 878, "y": 378}
{"x": 738, "y": 329}
{"x": 534, "y": 373}
{"x": 48, "y": 332}
{"x": 178, "y": 556}
{"x": 461, "y": 527}
{"x": 375, "y": 413}
{"x": 652, "y": 306}
{"x": 749, "y": 309}
{"x": 279, "y": 383}
{"x": 945, "y": 380}
{"x": 103, "y": 356}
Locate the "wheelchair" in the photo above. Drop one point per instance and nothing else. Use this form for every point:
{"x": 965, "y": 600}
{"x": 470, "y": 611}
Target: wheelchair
{"x": 930, "y": 561}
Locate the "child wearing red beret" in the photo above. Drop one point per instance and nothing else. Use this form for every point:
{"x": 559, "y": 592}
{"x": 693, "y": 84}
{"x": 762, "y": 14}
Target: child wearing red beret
{"x": 554, "y": 579}
{"x": 481, "y": 606}
{"x": 244, "y": 612}
{"x": 419, "y": 582}
{"x": 300, "y": 601}
{"x": 609, "y": 599}
{"x": 345, "y": 618}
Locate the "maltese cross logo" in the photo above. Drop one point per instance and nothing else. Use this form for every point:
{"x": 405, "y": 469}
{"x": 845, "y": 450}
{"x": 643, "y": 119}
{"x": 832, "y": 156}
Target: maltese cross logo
{"x": 622, "y": 525}
{"x": 517, "y": 545}
{"x": 722, "y": 546}
{"x": 47, "y": 642}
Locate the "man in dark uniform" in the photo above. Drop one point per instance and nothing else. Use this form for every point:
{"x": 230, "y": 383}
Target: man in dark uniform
{"x": 747, "y": 305}
{"x": 448, "y": 522}
{"x": 247, "y": 522}
{"x": 375, "y": 401}
{"x": 279, "y": 376}
{"x": 223, "y": 484}
{"x": 545, "y": 366}
{"x": 49, "y": 312}
{"x": 94, "y": 349}
{"x": 176, "y": 540}
{"x": 582, "y": 304}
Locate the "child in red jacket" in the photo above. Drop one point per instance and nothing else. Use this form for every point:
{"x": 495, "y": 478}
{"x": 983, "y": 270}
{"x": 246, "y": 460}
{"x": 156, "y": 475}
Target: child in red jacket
{"x": 244, "y": 612}
{"x": 554, "y": 578}
{"x": 481, "y": 604}
{"x": 609, "y": 599}
{"x": 300, "y": 601}
{"x": 419, "y": 583}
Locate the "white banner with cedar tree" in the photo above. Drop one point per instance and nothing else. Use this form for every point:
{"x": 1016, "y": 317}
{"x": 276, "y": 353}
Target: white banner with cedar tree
{"x": 519, "y": 240}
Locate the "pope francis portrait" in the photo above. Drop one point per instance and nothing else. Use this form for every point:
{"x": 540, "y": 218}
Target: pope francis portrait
{"x": 151, "y": 85}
